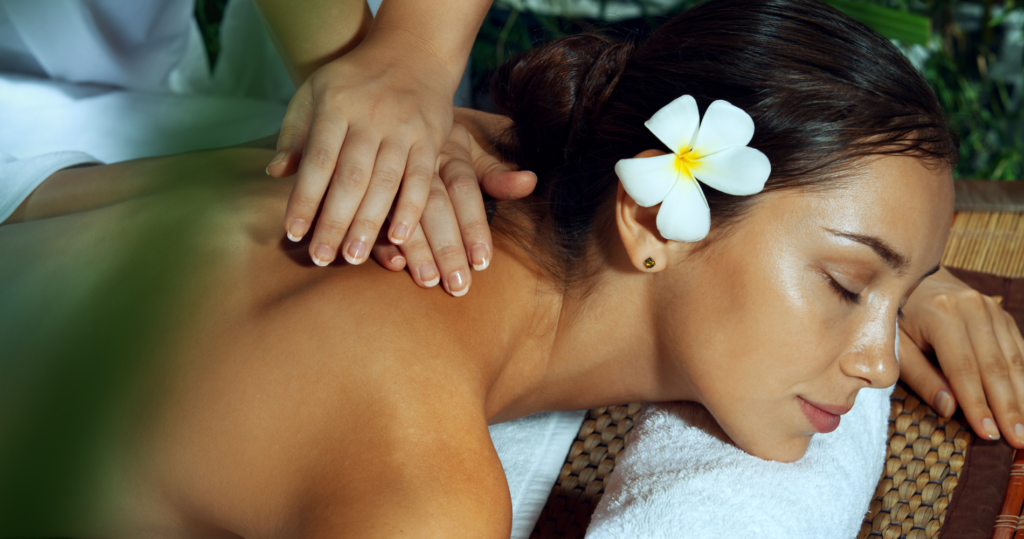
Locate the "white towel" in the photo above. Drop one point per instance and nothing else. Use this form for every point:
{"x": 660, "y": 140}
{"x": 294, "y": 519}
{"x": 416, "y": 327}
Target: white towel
{"x": 679, "y": 480}
{"x": 532, "y": 451}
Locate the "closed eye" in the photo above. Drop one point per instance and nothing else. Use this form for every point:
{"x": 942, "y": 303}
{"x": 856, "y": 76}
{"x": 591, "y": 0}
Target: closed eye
{"x": 851, "y": 297}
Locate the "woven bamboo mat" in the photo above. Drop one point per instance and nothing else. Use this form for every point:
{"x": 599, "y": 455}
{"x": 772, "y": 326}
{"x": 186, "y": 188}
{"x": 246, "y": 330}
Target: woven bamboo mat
{"x": 926, "y": 451}
{"x": 987, "y": 242}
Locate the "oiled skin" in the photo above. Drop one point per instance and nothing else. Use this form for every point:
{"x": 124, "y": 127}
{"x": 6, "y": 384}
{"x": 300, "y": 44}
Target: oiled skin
{"x": 302, "y": 401}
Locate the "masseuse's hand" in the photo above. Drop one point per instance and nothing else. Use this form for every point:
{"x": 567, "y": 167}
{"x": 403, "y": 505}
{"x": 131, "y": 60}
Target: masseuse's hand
{"x": 979, "y": 350}
{"x": 454, "y": 227}
{"x": 357, "y": 129}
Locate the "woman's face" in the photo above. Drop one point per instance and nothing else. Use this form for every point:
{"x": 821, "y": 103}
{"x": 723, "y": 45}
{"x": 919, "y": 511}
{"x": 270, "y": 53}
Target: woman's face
{"x": 778, "y": 324}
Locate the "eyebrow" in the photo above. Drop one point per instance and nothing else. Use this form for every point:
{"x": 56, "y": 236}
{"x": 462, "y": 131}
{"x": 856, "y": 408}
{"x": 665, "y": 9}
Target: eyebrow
{"x": 893, "y": 258}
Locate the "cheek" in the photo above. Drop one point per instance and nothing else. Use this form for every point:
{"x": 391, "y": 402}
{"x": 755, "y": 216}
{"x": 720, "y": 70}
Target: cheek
{"x": 760, "y": 332}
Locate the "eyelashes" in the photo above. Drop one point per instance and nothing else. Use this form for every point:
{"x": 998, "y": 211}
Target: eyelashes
{"x": 851, "y": 297}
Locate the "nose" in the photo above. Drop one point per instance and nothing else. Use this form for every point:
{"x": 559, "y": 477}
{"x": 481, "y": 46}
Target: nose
{"x": 872, "y": 356}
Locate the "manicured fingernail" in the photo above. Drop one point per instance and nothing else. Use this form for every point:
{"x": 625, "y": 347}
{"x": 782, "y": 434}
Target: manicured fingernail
{"x": 397, "y": 259}
{"x": 990, "y": 428}
{"x": 943, "y": 403}
{"x": 480, "y": 255}
{"x": 296, "y": 229}
{"x": 277, "y": 159}
{"x": 398, "y": 234}
{"x": 1018, "y": 430}
{"x": 428, "y": 275}
{"x": 457, "y": 284}
{"x": 355, "y": 253}
{"x": 322, "y": 255}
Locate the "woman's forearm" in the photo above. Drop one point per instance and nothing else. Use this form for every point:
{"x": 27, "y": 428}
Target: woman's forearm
{"x": 434, "y": 33}
{"x": 310, "y": 33}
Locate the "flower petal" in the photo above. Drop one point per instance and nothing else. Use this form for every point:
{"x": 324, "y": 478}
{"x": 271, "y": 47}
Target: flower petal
{"x": 648, "y": 179}
{"x": 684, "y": 216}
{"x": 676, "y": 123}
{"x": 723, "y": 126}
{"x": 740, "y": 170}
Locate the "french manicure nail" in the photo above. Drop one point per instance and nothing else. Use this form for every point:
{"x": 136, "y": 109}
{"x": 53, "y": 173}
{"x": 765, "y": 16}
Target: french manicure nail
{"x": 296, "y": 229}
{"x": 355, "y": 253}
{"x": 990, "y": 428}
{"x": 428, "y": 275}
{"x": 457, "y": 284}
{"x": 322, "y": 255}
{"x": 479, "y": 255}
{"x": 277, "y": 159}
{"x": 399, "y": 233}
{"x": 397, "y": 259}
{"x": 943, "y": 403}
{"x": 1018, "y": 430}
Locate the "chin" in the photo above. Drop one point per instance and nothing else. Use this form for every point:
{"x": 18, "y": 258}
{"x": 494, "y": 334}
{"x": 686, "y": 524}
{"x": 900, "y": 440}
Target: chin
{"x": 781, "y": 450}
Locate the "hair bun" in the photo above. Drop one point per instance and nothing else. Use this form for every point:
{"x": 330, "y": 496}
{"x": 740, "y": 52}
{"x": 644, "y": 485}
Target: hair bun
{"x": 554, "y": 94}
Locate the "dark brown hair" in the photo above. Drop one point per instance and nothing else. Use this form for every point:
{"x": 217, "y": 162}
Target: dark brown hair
{"x": 822, "y": 89}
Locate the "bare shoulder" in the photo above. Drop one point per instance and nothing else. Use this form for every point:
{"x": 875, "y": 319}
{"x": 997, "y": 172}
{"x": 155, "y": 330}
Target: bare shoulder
{"x": 441, "y": 481}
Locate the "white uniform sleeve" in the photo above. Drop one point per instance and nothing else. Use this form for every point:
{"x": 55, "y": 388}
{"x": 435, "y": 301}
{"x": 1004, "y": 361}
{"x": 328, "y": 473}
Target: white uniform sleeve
{"x": 19, "y": 177}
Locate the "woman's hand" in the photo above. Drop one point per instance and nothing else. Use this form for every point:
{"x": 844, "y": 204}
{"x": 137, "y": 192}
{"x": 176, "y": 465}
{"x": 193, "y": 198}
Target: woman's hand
{"x": 979, "y": 350}
{"x": 454, "y": 227}
{"x": 363, "y": 125}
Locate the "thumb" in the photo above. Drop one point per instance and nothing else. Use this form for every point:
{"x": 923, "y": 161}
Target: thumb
{"x": 294, "y": 128}
{"x": 497, "y": 179}
{"x": 924, "y": 377}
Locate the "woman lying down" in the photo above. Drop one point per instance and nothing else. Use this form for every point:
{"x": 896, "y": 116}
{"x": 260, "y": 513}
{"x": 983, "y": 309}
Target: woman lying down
{"x": 228, "y": 387}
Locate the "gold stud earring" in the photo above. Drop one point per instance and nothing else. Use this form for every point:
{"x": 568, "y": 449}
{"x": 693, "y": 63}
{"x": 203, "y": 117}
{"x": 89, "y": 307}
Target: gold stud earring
{"x": 649, "y": 263}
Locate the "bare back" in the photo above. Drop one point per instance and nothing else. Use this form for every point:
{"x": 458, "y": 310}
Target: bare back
{"x": 291, "y": 399}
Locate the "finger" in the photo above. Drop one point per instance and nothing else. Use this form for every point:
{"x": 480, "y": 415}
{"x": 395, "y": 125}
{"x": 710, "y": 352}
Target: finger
{"x": 376, "y": 202}
{"x": 315, "y": 170}
{"x": 498, "y": 180}
{"x": 959, "y": 361}
{"x": 1003, "y": 327}
{"x": 439, "y": 225}
{"x": 348, "y": 184}
{"x": 995, "y": 373}
{"x": 925, "y": 378}
{"x": 387, "y": 254}
{"x": 420, "y": 260}
{"x": 419, "y": 172}
{"x": 294, "y": 129}
{"x": 457, "y": 173}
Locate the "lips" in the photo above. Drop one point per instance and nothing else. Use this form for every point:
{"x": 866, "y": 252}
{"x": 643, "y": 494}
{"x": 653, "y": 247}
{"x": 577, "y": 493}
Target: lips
{"x": 823, "y": 417}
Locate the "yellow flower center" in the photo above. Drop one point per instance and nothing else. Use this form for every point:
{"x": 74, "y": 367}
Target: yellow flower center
{"x": 686, "y": 161}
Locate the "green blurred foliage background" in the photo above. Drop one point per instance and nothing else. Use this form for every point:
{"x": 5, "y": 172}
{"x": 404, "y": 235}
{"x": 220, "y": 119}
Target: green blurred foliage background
{"x": 971, "y": 51}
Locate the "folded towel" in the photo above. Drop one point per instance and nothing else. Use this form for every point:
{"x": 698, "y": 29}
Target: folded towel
{"x": 532, "y": 451}
{"x": 678, "y": 478}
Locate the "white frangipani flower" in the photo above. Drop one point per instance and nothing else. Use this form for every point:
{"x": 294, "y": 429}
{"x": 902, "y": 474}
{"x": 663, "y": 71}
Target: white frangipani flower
{"x": 713, "y": 151}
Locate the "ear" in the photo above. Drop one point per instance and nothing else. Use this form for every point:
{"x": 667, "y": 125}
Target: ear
{"x": 647, "y": 250}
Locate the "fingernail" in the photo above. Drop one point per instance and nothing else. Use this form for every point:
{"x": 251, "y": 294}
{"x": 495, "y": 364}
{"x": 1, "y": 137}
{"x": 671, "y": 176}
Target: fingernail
{"x": 457, "y": 284}
{"x": 990, "y": 428}
{"x": 296, "y": 229}
{"x": 322, "y": 255}
{"x": 943, "y": 403}
{"x": 428, "y": 275}
{"x": 1018, "y": 430}
{"x": 397, "y": 259}
{"x": 399, "y": 233}
{"x": 479, "y": 256}
{"x": 355, "y": 253}
{"x": 277, "y": 159}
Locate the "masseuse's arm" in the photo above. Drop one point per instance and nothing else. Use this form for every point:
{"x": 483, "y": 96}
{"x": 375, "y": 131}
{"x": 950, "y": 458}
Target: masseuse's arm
{"x": 372, "y": 118}
{"x": 980, "y": 355}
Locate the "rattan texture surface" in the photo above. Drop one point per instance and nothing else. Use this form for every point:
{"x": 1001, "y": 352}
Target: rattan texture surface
{"x": 585, "y": 473}
{"x": 926, "y": 456}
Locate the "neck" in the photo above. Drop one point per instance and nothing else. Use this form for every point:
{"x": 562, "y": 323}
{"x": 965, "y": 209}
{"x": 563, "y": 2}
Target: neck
{"x": 587, "y": 351}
